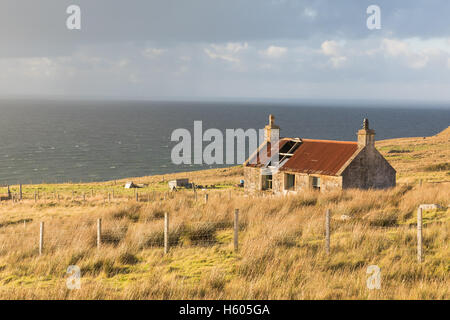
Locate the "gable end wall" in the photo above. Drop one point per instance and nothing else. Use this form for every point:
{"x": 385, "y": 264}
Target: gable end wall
{"x": 369, "y": 170}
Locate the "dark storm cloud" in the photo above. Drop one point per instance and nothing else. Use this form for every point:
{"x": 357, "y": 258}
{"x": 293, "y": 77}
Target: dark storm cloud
{"x": 38, "y": 27}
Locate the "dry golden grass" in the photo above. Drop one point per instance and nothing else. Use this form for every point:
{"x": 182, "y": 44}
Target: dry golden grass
{"x": 281, "y": 241}
{"x": 425, "y": 158}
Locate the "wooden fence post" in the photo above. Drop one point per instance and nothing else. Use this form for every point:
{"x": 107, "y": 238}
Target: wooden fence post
{"x": 327, "y": 231}
{"x": 35, "y": 197}
{"x": 20, "y": 192}
{"x": 99, "y": 233}
{"x": 137, "y": 196}
{"x": 41, "y": 238}
{"x": 84, "y": 196}
{"x": 166, "y": 233}
{"x": 206, "y": 198}
{"x": 236, "y": 230}
{"x": 109, "y": 197}
{"x": 419, "y": 235}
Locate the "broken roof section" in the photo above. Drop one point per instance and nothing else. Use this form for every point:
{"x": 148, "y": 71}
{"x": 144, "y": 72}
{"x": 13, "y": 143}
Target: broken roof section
{"x": 310, "y": 156}
{"x": 259, "y": 158}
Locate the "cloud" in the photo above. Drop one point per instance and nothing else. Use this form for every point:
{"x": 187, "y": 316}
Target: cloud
{"x": 310, "y": 13}
{"x": 395, "y": 48}
{"x": 228, "y": 52}
{"x": 415, "y": 59}
{"x": 333, "y": 50}
{"x": 153, "y": 52}
{"x": 274, "y": 52}
{"x": 330, "y": 48}
{"x": 338, "y": 62}
{"x": 341, "y": 68}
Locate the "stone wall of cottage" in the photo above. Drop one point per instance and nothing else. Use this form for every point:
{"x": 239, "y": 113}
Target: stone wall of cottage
{"x": 327, "y": 183}
{"x": 252, "y": 179}
{"x": 277, "y": 182}
{"x": 369, "y": 170}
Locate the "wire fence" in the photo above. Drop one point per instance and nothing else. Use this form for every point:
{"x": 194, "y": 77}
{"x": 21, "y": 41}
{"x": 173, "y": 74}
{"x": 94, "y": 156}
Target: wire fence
{"x": 112, "y": 196}
{"x": 26, "y": 235}
{"x": 51, "y": 235}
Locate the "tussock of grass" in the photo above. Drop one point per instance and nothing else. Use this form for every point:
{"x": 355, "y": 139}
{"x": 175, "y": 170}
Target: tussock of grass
{"x": 201, "y": 233}
{"x": 112, "y": 236}
{"x": 399, "y": 151}
{"x": 438, "y": 167}
{"x": 156, "y": 239}
{"x": 383, "y": 218}
{"x": 130, "y": 212}
{"x": 10, "y": 223}
{"x": 128, "y": 258}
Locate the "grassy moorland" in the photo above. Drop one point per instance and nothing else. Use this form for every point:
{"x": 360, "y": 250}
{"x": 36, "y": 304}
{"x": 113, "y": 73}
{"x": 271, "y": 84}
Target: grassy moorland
{"x": 281, "y": 249}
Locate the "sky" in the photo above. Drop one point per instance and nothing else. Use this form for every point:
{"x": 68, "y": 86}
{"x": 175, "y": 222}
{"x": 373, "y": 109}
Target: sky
{"x": 175, "y": 49}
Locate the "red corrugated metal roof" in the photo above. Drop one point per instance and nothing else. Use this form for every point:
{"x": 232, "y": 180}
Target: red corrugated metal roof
{"x": 320, "y": 156}
{"x": 316, "y": 156}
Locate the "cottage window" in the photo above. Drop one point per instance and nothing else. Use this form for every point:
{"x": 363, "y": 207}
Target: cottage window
{"x": 290, "y": 181}
{"x": 267, "y": 182}
{"x": 316, "y": 183}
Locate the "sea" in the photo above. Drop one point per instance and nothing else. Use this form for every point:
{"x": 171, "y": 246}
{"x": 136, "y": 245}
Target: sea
{"x": 57, "y": 140}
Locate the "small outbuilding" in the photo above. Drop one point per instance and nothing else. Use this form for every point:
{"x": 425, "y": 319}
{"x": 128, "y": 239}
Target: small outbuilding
{"x": 173, "y": 184}
{"x": 130, "y": 185}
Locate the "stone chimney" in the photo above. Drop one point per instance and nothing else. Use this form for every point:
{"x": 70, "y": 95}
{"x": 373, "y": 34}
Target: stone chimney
{"x": 271, "y": 131}
{"x": 366, "y": 136}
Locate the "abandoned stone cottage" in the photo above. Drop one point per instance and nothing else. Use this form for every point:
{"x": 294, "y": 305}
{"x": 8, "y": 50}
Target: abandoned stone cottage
{"x": 317, "y": 164}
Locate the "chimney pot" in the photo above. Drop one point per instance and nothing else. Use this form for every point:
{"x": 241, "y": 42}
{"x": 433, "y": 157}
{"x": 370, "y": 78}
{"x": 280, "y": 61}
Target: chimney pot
{"x": 366, "y": 123}
{"x": 366, "y": 136}
{"x": 271, "y": 129}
